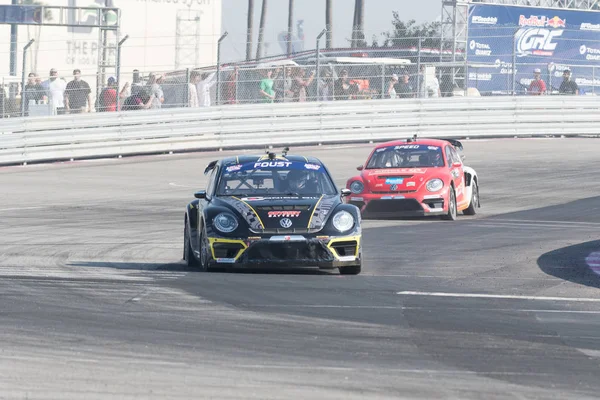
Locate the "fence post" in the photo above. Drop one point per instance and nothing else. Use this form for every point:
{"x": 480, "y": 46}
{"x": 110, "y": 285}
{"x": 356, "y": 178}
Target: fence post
{"x": 317, "y": 55}
{"x": 119, "y": 71}
{"x": 514, "y": 63}
{"x": 418, "y": 88}
{"x": 383, "y": 94}
{"x": 223, "y": 36}
{"x": 23, "y": 76}
{"x": 186, "y": 92}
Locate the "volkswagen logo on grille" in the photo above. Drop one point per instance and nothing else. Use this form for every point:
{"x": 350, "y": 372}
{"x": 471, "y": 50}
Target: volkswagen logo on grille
{"x": 285, "y": 222}
{"x": 394, "y": 187}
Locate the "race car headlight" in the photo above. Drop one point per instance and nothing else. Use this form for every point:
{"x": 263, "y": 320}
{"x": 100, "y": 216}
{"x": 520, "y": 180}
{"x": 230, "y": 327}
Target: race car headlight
{"x": 357, "y": 187}
{"x": 434, "y": 185}
{"x": 343, "y": 221}
{"x": 225, "y": 222}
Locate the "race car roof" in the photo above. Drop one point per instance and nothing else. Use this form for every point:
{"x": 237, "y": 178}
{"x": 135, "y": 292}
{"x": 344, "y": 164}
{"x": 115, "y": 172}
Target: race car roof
{"x": 426, "y": 142}
{"x": 243, "y": 159}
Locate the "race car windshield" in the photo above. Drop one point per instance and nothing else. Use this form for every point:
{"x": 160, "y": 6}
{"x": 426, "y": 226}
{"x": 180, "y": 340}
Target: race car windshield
{"x": 407, "y": 156}
{"x": 275, "y": 178}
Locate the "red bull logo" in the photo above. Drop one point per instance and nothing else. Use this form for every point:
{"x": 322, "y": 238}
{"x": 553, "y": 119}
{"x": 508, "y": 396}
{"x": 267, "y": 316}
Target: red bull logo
{"x": 557, "y": 22}
{"x": 542, "y": 21}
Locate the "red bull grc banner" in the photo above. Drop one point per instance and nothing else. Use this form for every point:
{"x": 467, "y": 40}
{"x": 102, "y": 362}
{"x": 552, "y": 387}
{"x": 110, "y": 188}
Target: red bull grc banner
{"x": 551, "y": 40}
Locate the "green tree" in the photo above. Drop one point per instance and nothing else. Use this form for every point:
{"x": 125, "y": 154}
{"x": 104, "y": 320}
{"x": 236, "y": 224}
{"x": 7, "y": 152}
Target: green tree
{"x": 407, "y": 34}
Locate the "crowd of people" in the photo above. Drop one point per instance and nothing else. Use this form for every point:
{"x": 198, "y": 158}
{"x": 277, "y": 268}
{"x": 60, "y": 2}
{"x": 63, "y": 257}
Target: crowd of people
{"x": 280, "y": 84}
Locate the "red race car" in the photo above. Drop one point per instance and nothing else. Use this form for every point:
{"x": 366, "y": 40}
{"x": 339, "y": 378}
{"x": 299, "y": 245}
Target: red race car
{"x": 415, "y": 177}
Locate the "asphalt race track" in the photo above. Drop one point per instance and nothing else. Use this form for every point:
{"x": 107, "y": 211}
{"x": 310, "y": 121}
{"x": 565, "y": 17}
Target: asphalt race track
{"x": 95, "y": 301}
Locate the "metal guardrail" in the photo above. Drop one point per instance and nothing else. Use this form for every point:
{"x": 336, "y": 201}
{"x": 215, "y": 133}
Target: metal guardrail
{"x": 40, "y": 139}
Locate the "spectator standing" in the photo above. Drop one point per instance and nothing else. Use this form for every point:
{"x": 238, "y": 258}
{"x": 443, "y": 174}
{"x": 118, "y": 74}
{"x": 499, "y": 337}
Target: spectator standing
{"x": 283, "y": 86}
{"x": 326, "y": 86}
{"x": 537, "y": 87}
{"x": 300, "y": 83}
{"x": 568, "y": 86}
{"x": 391, "y": 91}
{"x": 155, "y": 89}
{"x": 33, "y": 91}
{"x": 107, "y": 99}
{"x": 430, "y": 85}
{"x": 203, "y": 88}
{"x": 55, "y": 90}
{"x": 404, "y": 90}
{"x": 266, "y": 88}
{"x": 192, "y": 91}
{"x": 231, "y": 86}
{"x": 78, "y": 94}
{"x": 342, "y": 89}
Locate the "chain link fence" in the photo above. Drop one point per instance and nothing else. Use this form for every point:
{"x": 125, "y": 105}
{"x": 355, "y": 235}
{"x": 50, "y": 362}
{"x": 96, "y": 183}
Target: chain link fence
{"x": 398, "y": 69}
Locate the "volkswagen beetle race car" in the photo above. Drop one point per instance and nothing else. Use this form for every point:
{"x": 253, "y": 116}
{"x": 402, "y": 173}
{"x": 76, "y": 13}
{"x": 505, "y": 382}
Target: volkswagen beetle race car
{"x": 283, "y": 211}
{"x": 415, "y": 177}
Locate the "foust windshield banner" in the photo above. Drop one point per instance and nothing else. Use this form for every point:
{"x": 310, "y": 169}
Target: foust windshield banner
{"x": 266, "y": 165}
{"x": 549, "y": 39}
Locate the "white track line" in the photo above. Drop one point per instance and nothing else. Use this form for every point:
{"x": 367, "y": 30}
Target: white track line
{"x": 497, "y": 296}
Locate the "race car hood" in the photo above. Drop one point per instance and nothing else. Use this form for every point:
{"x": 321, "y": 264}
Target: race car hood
{"x": 289, "y": 212}
{"x": 398, "y": 179}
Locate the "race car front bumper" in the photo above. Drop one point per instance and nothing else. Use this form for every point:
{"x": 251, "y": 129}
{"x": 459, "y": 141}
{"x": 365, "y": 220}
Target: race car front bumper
{"x": 291, "y": 251}
{"x": 401, "y": 205}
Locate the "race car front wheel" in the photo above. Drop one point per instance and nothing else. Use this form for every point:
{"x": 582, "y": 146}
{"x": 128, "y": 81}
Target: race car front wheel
{"x": 451, "y": 216}
{"x": 204, "y": 252}
{"x": 188, "y": 253}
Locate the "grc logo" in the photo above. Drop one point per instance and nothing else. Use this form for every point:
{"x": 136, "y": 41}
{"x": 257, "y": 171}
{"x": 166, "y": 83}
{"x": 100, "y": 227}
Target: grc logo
{"x": 537, "y": 41}
{"x": 542, "y": 22}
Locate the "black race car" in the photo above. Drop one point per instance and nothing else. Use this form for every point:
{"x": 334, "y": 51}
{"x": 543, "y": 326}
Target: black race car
{"x": 270, "y": 210}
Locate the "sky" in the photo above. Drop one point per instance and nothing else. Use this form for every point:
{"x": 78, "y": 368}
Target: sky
{"x": 378, "y": 17}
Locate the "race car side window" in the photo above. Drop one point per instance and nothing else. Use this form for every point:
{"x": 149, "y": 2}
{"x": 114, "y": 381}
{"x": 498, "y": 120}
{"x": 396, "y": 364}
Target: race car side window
{"x": 449, "y": 156}
{"x": 455, "y": 157}
{"x": 211, "y": 181}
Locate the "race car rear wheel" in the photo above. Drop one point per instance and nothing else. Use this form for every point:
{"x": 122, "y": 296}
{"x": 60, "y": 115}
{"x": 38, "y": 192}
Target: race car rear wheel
{"x": 188, "y": 253}
{"x": 451, "y": 216}
{"x": 471, "y": 210}
{"x": 352, "y": 270}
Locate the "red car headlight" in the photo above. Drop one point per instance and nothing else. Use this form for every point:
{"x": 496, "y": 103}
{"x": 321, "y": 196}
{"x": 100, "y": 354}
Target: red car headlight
{"x": 357, "y": 187}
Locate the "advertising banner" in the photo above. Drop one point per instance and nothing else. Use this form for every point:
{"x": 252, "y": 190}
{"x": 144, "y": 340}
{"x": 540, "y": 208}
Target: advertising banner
{"x": 551, "y": 40}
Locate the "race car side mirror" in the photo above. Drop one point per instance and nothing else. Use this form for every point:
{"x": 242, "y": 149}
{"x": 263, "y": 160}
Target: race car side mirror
{"x": 456, "y": 165}
{"x": 346, "y": 192}
{"x": 360, "y": 167}
{"x": 200, "y": 194}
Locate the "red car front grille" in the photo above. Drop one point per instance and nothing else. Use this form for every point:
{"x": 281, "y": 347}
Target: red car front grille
{"x": 394, "y": 192}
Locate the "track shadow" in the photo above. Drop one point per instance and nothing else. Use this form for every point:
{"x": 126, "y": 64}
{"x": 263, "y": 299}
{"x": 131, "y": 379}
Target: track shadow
{"x": 139, "y": 266}
{"x": 181, "y": 267}
{"x": 585, "y": 210}
{"x": 569, "y": 263}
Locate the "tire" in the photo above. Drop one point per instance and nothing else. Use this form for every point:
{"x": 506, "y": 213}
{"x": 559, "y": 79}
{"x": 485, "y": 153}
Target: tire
{"x": 472, "y": 209}
{"x": 204, "y": 253}
{"x": 451, "y": 216}
{"x": 352, "y": 270}
{"x": 188, "y": 253}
